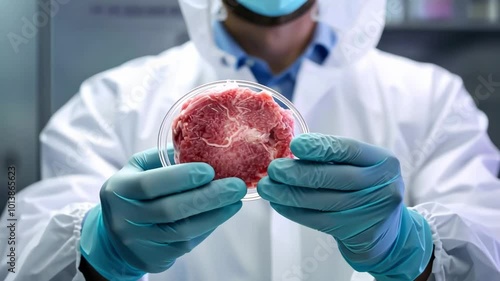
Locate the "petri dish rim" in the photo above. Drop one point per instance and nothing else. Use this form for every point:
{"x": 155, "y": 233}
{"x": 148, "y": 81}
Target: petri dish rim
{"x": 166, "y": 124}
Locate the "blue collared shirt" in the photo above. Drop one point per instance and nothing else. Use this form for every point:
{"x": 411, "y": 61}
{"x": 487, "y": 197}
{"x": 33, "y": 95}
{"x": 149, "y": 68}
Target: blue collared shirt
{"x": 318, "y": 50}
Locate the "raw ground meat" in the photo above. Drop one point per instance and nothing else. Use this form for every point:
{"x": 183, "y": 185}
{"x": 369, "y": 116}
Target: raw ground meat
{"x": 237, "y": 131}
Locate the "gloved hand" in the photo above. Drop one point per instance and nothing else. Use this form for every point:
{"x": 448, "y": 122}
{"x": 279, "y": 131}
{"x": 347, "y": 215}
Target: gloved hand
{"x": 150, "y": 215}
{"x": 354, "y": 192}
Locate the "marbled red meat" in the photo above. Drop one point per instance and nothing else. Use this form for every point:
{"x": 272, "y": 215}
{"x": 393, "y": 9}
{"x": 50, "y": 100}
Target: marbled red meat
{"x": 237, "y": 131}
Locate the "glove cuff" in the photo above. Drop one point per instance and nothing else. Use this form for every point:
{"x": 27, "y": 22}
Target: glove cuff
{"x": 411, "y": 251}
{"x": 99, "y": 252}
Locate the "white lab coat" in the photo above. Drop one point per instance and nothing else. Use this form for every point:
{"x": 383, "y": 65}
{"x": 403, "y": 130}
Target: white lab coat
{"x": 419, "y": 111}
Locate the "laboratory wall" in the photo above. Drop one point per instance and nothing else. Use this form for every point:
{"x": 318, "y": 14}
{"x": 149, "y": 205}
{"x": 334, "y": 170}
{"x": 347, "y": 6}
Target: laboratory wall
{"x": 49, "y": 47}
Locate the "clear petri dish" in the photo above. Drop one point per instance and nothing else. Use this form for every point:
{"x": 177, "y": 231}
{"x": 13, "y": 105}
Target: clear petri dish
{"x": 167, "y": 133}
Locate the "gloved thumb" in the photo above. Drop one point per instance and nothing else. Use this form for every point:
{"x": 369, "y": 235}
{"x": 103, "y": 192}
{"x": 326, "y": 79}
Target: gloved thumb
{"x": 327, "y": 148}
{"x": 150, "y": 159}
{"x": 145, "y": 160}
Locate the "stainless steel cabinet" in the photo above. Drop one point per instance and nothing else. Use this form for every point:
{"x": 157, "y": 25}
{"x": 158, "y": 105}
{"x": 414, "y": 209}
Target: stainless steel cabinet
{"x": 18, "y": 93}
{"x": 89, "y": 36}
{"x": 70, "y": 40}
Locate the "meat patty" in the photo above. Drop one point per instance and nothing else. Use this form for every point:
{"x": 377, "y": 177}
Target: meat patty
{"x": 237, "y": 131}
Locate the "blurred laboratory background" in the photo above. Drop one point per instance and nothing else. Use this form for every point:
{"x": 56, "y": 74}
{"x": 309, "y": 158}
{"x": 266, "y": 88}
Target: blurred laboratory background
{"x": 48, "y": 47}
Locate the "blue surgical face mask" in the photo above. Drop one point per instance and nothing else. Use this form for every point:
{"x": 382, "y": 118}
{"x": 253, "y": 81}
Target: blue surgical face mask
{"x": 272, "y": 8}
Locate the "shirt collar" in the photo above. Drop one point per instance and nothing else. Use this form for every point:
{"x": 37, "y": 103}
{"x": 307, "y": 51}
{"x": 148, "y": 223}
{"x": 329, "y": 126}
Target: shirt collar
{"x": 323, "y": 42}
{"x": 318, "y": 50}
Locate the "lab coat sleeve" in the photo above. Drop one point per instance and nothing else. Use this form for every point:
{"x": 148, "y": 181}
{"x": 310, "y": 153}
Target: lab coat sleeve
{"x": 80, "y": 149}
{"x": 455, "y": 186}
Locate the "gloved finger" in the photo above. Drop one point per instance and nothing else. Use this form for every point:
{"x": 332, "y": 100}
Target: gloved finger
{"x": 160, "y": 182}
{"x": 185, "y": 229}
{"x": 145, "y": 160}
{"x": 161, "y": 256}
{"x": 327, "y": 148}
{"x": 321, "y": 199}
{"x": 216, "y": 194}
{"x": 321, "y": 221}
{"x": 333, "y": 176}
{"x": 182, "y": 248}
{"x": 342, "y": 225}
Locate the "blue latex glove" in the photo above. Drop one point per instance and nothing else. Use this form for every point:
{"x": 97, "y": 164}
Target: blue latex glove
{"x": 150, "y": 215}
{"x": 354, "y": 192}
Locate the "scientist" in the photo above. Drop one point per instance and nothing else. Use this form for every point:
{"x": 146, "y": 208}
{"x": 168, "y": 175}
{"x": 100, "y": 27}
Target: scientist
{"x": 398, "y": 181}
